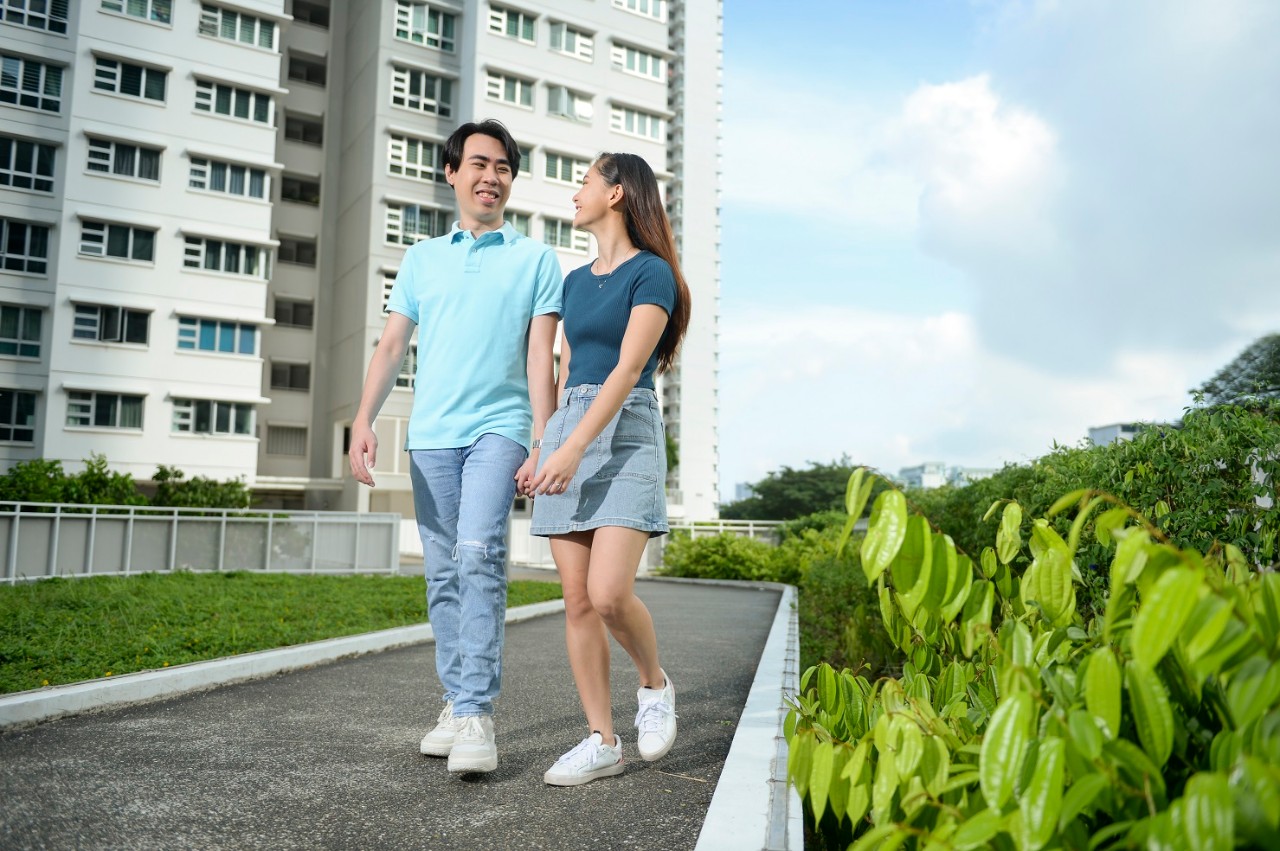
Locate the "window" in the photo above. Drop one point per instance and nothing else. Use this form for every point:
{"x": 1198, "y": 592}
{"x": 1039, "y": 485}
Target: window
{"x": 20, "y": 331}
{"x": 422, "y": 24}
{"x": 124, "y": 160}
{"x": 17, "y": 416}
{"x": 421, "y": 91}
{"x": 306, "y": 70}
{"x": 286, "y": 440}
{"x": 526, "y": 159}
{"x": 125, "y": 78}
{"x": 236, "y": 258}
{"x": 301, "y": 252}
{"x": 237, "y": 26}
{"x": 216, "y": 335}
{"x": 636, "y": 123}
{"x": 522, "y": 222}
{"x": 24, "y": 247}
{"x": 568, "y": 103}
{"x": 26, "y": 165}
{"x": 638, "y": 62}
{"x": 410, "y": 223}
{"x": 160, "y": 11}
{"x": 290, "y": 376}
{"x": 107, "y": 324}
{"x": 216, "y": 176}
{"x": 308, "y": 12}
{"x": 25, "y": 82}
{"x": 301, "y": 190}
{"x": 508, "y": 89}
{"x": 207, "y": 416}
{"x": 408, "y": 367}
{"x": 227, "y": 100}
{"x": 656, "y": 9}
{"x": 107, "y": 239}
{"x": 294, "y": 314}
{"x": 48, "y": 15}
{"x": 566, "y": 169}
{"x": 572, "y": 41}
{"x": 103, "y": 410}
{"x": 299, "y": 128}
{"x": 511, "y": 23}
{"x": 419, "y": 159}
{"x": 388, "y": 284}
{"x": 562, "y": 234}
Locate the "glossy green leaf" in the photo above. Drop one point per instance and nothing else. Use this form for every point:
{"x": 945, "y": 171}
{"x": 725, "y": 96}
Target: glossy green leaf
{"x": 1130, "y": 558}
{"x": 977, "y": 616}
{"x": 1077, "y": 525}
{"x": 1108, "y": 522}
{"x": 1066, "y": 501}
{"x": 1152, "y": 714}
{"x": 978, "y": 830}
{"x": 1003, "y": 747}
{"x": 885, "y": 531}
{"x": 1102, "y": 690}
{"x": 1009, "y": 538}
{"x": 958, "y": 588}
{"x": 800, "y": 761}
{"x": 820, "y": 777}
{"x": 1163, "y": 613}
{"x": 838, "y": 791}
{"x": 1207, "y": 813}
{"x": 1085, "y": 734}
{"x": 1082, "y": 794}
{"x": 987, "y": 561}
{"x": 934, "y": 592}
{"x": 1254, "y": 689}
{"x": 1206, "y": 625}
{"x": 912, "y": 565}
{"x": 1041, "y": 802}
{"x": 1047, "y": 583}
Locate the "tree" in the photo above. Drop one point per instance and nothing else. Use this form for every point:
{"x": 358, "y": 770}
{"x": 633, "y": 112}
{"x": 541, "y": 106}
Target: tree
{"x": 787, "y": 493}
{"x": 1254, "y": 374}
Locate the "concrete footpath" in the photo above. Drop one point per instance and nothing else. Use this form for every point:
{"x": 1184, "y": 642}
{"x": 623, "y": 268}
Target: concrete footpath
{"x": 327, "y": 757}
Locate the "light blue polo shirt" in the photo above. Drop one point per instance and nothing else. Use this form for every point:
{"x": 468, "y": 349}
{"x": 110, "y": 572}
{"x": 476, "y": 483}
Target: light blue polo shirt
{"x": 472, "y": 300}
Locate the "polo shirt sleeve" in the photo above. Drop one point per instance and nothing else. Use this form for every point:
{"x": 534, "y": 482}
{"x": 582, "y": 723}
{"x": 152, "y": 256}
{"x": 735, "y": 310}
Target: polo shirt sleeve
{"x": 403, "y": 298}
{"x": 655, "y": 283}
{"x": 548, "y": 289}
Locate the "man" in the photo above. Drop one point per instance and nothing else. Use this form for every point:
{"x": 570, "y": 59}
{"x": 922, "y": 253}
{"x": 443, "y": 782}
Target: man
{"x": 486, "y": 301}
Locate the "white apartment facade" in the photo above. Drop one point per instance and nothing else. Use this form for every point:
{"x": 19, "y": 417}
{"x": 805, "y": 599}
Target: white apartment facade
{"x": 204, "y": 205}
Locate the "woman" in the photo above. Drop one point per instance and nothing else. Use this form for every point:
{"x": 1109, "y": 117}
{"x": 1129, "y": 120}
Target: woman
{"x": 600, "y": 487}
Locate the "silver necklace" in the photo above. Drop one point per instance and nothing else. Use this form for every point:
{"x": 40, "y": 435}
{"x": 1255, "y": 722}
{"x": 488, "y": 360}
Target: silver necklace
{"x": 601, "y": 280}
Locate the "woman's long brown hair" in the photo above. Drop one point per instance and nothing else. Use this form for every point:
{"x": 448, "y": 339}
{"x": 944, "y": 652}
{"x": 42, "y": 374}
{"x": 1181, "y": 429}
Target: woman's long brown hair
{"x": 650, "y": 230}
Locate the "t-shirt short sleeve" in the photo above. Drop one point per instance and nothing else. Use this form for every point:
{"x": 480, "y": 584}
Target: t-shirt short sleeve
{"x": 655, "y": 284}
{"x": 548, "y": 290}
{"x": 403, "y": 299}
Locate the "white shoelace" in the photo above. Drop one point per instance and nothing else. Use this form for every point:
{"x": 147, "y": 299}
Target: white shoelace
{"x": 649, "y": 718}
{"x": 471, "y": 729}
{"x": 583, "y": 755}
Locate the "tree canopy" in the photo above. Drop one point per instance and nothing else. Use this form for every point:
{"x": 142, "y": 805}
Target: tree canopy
{"x": 789, "y": 493}
{"x": 1254, "y": 374}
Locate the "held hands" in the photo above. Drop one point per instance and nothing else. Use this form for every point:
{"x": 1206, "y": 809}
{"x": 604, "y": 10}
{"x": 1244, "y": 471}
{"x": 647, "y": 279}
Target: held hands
{"x": 557, "y": 471}
{"x": 363, "y": 453}
{"x": 524, "y": 476}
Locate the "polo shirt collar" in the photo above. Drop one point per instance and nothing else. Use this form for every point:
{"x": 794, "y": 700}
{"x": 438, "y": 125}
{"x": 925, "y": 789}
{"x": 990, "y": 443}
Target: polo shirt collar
{"x": 507, "y": 232}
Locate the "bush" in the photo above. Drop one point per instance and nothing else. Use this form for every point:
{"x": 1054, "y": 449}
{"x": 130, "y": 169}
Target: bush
{"x": 42, "y": 480}
{"x": 1018, "y": 724}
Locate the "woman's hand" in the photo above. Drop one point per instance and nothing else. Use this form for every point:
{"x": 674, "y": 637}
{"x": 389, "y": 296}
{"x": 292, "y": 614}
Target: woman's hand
{"x": 524, "y": 476}
{"x": 557, "y": 471}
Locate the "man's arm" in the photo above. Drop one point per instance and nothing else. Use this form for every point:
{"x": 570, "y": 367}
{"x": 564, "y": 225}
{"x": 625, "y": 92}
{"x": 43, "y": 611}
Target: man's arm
{"x": 383, "y": 369}
{"x": 540, "y": 366}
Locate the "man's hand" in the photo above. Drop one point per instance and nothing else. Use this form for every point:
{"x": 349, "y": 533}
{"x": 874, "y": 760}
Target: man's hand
{"x": 524, "y": 476}
{"x": 363, "y": 453}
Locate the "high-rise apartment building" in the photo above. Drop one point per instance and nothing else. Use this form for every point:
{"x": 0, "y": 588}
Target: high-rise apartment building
{"x": 204, "y": 205}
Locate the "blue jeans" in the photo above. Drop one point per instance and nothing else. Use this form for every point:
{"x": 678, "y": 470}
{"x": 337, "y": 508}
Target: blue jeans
{"x": 462, "y": 498}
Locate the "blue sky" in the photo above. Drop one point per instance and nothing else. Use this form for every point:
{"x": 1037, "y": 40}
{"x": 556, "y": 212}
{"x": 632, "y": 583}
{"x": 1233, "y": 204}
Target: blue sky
{"x": 962, "y": 230}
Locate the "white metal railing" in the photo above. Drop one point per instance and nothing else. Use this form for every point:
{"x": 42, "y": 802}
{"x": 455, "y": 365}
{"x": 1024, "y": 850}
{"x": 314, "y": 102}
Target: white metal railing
{"x": 761, "y": 530}
{"x": 39, "y": 540}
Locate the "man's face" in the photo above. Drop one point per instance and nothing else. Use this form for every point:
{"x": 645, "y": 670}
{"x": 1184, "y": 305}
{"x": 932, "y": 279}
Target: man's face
{"x": 482, "y": 182}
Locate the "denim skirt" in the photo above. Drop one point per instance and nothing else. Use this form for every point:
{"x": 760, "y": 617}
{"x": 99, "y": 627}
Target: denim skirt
{"x": 622, "y": 478}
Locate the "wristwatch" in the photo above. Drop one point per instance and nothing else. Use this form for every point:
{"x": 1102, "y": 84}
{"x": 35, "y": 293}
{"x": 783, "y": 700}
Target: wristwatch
{"x": 537, "y": 444}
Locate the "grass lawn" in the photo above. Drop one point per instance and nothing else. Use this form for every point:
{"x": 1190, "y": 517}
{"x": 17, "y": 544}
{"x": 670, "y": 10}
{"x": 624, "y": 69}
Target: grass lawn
{"x": 58, "y": 631}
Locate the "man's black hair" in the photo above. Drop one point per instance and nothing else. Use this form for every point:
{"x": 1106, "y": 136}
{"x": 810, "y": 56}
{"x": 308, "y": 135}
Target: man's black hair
{"x": 489, "y": 127}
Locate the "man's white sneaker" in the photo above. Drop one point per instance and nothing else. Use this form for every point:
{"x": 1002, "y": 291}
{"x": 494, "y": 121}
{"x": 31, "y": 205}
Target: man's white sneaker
{"x": 474, "y": 749}
{"x": 440, "y": 740}
{"x": 656, "y": 720}
{"x": 590, "y": 760}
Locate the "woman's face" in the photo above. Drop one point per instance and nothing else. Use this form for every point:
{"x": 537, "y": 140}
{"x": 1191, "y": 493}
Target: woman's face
{"x": 592, "y": 202}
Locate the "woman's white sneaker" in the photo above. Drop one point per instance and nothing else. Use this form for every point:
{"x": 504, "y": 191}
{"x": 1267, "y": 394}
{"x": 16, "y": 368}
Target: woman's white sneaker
{"x": 440, "y": 740}
{"x": 656, "y": 720}
{"x": 590, "y": 760}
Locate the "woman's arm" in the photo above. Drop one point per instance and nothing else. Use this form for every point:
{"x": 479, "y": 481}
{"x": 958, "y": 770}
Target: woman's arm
{"x": 644, "y": 330}
{"x": 540, "y": 369}
{"x": 562, "y": 379}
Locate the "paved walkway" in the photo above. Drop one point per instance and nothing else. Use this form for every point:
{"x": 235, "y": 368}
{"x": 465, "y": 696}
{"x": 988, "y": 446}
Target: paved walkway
{"x": 326, "y": 758}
